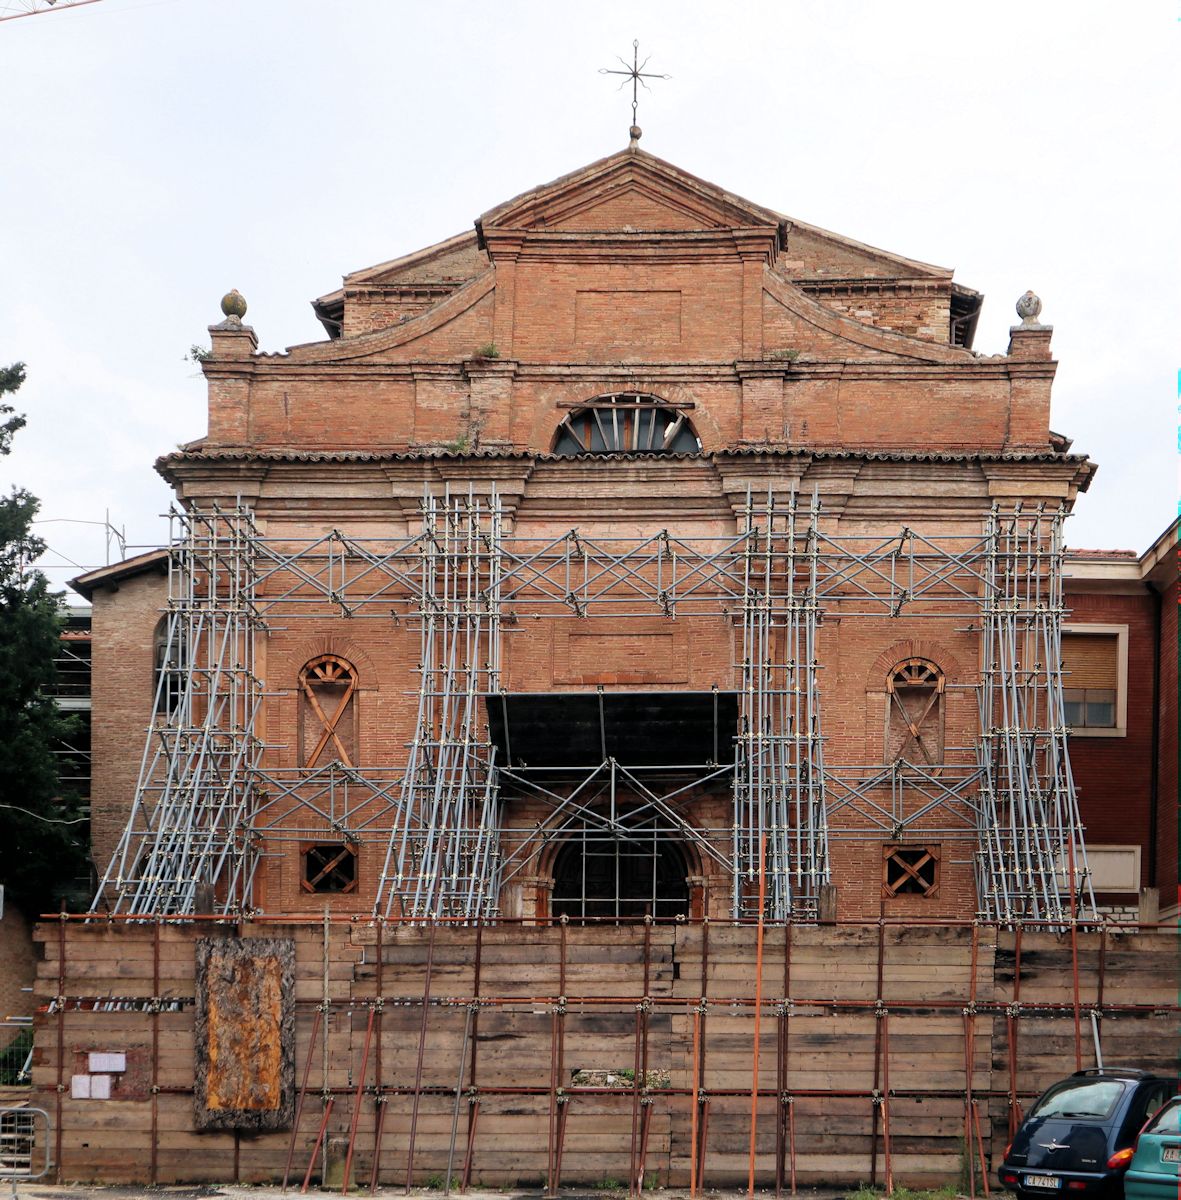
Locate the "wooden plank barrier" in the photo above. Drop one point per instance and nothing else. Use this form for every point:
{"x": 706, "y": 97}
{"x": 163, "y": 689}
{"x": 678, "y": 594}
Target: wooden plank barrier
{"x": 535, "y": 1057}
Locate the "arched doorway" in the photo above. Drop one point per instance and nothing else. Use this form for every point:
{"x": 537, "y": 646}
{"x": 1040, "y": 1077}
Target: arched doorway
{"x": 634, "y": 873}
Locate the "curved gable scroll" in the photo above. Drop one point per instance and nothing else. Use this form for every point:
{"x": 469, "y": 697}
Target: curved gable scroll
{"x": 869, "y": 337}
{"x": 363, "y": 345}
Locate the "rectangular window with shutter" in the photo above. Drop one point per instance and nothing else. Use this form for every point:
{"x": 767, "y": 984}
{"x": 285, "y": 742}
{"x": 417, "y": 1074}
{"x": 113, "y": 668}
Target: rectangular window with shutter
{"x": 1093, "y": 679}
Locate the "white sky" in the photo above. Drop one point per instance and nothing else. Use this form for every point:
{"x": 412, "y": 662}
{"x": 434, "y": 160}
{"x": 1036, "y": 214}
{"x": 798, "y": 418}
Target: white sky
{"x": 158, "y": 152}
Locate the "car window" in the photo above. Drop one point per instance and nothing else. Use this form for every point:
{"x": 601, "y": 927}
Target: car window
{"x": 1095, "y": 1098}
{"x": 1149, "y": 1100}
{"x": 1168, "y": 1120}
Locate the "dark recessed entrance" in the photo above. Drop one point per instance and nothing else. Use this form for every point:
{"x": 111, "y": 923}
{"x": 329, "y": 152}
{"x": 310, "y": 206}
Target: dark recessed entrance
{"x": 598, "y": 876}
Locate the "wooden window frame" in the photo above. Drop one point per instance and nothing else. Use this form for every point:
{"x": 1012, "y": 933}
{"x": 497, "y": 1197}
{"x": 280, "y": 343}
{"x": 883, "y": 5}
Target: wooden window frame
{"x": 937, "y": 708}
{"x": 1120, "y": 633}
{"x": 328, "y": 735}
{"x": 889, "y": 852}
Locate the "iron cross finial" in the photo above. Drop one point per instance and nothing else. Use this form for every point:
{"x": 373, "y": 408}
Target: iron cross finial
{"x": 636, "y": 73}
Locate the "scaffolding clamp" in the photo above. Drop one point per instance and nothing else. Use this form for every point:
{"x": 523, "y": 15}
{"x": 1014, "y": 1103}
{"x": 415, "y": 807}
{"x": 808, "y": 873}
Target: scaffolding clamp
{"x": 645, "y": 1005}
{"x": 880, "y": 1010}
{"x": 1013, "y": 1010}
{"x": 559, "y": 1008}
{"x": 970, "y": 1009}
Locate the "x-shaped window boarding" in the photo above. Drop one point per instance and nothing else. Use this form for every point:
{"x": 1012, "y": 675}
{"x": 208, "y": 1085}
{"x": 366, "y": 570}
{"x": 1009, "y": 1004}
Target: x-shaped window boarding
{"x": 913, "y": 722}
{"x": 327, "y": 687}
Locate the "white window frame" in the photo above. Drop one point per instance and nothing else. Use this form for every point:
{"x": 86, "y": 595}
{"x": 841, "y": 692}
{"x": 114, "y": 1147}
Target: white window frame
{"x": 1121, "y": 682}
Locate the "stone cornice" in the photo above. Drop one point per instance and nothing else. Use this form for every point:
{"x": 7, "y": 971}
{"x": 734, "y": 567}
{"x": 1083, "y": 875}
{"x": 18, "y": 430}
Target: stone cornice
{"x": 682, "y": 246}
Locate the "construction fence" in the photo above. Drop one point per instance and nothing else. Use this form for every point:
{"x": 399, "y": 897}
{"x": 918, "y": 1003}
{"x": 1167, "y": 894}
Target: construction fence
{"x": 692, "y": 1054}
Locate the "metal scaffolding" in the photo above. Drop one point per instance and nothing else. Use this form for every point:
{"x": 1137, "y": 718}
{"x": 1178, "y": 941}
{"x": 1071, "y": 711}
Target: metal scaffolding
{"x": 189, "y": 830}
{"x": 443, "y": 818}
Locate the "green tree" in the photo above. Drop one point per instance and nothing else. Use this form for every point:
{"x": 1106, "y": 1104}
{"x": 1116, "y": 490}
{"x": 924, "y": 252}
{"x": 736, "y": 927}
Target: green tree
{"x": 41, "y": 833}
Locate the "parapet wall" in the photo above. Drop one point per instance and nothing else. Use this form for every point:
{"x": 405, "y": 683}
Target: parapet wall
{"x": 564, "y": 1054}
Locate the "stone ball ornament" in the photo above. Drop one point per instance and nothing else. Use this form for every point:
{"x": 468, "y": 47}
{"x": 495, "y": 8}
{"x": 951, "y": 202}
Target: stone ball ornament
{"x": 1029, "y": 308}
{"x": 233, "y": 304}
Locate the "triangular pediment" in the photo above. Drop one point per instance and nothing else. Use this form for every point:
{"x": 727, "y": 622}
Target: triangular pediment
{"x": 631, "y": 190}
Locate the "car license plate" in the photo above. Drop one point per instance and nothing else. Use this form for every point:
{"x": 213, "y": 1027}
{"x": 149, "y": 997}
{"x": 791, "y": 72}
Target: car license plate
{"x": 1043, "y": 1181}
{"x": 1171, "y": 1154}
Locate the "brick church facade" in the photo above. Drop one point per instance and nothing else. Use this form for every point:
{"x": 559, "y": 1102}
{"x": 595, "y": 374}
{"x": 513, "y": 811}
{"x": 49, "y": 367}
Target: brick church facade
{"x": 630, "y": 352}
{"x": 618, "y": 708}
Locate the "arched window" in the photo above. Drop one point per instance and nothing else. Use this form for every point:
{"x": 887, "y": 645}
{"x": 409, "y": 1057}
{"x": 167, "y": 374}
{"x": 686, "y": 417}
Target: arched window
{"x": 328, "y": 712}
{"x": 914, "y": 713}
{"x": 643, "y": 872}
{"x": 627, "y": 423}
{"x": 169, "y": 662}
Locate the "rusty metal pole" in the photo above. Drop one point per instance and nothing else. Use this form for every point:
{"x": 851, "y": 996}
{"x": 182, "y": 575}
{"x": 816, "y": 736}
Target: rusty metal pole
{"x": 791, "y": 1139}
{"x": 302, "y": 1096}
{"x": 969, "y": 1064}
{"x": 758, "y": 1015}
{"x": 886, "y": 1100}
{"x": 1078, "y": 1032}
{"x": 426, "y": 1007}
{"x": 320, "y": 1139}
{"x": 703, "y": 1140}
{"x": 637, "y": 1081}
{"x": 356, "y": 1120}
{"x": 980, "y": 1149}
{"x": 61, "y": 1043}
{"x": 153, "y": 1166}
{"x": 473, "y": 1108}
{"x": 877, "y": 1060}
{"x": 1012, "y": 1016}
{"x": 694, "y": 1100}
{"x": 551, "y": 1142}
{"x": 467, "y": 1029}
{"x": 379, "y": 1100}
{"x": 968, "y": 1102}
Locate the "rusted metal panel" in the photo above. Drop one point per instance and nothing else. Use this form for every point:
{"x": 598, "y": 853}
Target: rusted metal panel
{"x": 245, "y": 1033}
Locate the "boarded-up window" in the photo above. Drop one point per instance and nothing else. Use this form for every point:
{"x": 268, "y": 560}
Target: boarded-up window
{"x": 328, "y": 712}
{"x": 329, "y": 867}
{"x": 914, "y": 713}
{"x": 910, "y": 870}
{"x": 1090, "y": 679}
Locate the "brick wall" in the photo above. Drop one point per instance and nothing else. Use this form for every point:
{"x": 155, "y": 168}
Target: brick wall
{"x": 18, "y": 966}
{"x": 1114, "y": 775}
{"x": 122, "y": 694}
{"x": 1168, "y": 846}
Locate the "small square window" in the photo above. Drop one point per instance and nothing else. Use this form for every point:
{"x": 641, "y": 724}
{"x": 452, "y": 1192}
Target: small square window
{"x": 910, "y": 871}
{"x": 329, "y": 868}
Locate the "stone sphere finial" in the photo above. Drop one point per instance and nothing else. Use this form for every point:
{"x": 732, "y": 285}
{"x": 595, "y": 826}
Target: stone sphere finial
{"x": 233, "y": 304}
{"x": 635, "y": 133}
{"x": 1029, "y": 308}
